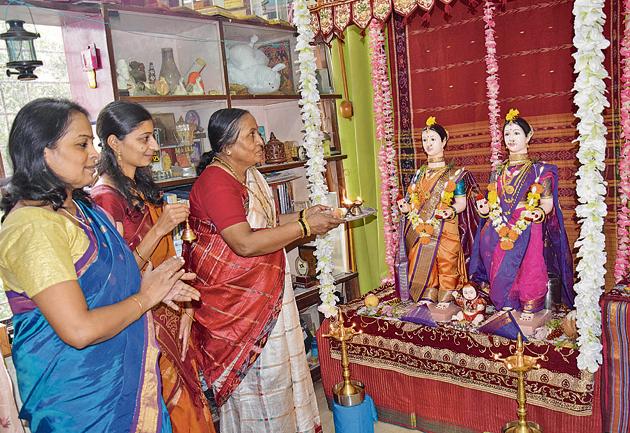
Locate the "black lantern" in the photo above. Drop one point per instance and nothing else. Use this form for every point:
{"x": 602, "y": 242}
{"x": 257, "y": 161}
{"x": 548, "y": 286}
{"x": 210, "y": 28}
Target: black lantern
{"x": 21, "y": 51}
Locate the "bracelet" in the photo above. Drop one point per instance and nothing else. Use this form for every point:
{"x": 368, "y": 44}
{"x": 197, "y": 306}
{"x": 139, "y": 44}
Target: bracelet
{"x": 186, "y": 313}
{"x": 454, "y": 212}
{"x": 135, "y": 298}
{"x": 140, "y": 255}
{"x": 306, "y": 226}
{"x": 544, "y": 215}
{"x": 301, "y": 214}
{"x": 302, "y": 227}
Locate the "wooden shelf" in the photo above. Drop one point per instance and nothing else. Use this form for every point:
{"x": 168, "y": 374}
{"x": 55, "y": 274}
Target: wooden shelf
{"x": 181, "y": 98}
{"x": 266, "y": 168}
{"x": 270, "y": 99}
{"x": 178, "y": 181}
{"x": 310, "y": 296}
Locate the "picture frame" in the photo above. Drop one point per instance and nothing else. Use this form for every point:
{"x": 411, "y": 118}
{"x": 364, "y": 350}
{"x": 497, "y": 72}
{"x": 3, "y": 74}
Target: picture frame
{"x": 166, "y": 123}
{"x": 263, "y": 134}
{"x": 280, "y": 52}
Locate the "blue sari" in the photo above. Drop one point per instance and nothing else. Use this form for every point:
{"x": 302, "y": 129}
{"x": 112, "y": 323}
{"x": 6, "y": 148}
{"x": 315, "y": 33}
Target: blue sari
{"x": 112, "y": 386}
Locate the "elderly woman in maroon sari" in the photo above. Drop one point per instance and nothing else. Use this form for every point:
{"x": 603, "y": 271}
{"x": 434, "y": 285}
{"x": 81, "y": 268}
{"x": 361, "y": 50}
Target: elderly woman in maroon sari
{"x": 523, "y": 237}
{"x": 247, "y": 327}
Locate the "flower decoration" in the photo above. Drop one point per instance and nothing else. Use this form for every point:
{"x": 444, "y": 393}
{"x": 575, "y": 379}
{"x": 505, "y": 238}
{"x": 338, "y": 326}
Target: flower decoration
{"x": 431, "y": 121}
{"x": 622, "y": 261}
{"x": 590, "y": 100}
{"x": 512, "y": 115}
{"x": 316, "y": 164}
{"x": 492, "y": 84}
{"x": 383, "y": 117}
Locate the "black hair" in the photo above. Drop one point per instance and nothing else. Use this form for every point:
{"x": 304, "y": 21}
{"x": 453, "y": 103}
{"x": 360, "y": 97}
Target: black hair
{"x": 119, "y": 118}
{"x": 223, "y": 130}
{"x": 525, "y": 126}
{"x": 439, "y": 129}
{"x": 38, "y": 126}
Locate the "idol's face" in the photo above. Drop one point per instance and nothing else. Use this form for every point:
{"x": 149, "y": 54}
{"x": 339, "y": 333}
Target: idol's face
{"x": 469, "y": 293}
{"x": 515, "y": 138}
{"x": 432, "y": 144}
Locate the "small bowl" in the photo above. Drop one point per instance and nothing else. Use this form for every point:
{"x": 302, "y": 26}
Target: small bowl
{"x": 349, "y": 400}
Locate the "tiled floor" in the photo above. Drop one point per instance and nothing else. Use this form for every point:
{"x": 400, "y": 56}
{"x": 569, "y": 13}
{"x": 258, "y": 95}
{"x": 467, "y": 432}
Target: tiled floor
{"x": 327, "y": 418}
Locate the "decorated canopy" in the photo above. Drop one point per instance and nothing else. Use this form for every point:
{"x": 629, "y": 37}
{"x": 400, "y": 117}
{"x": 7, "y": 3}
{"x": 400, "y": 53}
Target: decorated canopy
{"x": 331, "y": 17}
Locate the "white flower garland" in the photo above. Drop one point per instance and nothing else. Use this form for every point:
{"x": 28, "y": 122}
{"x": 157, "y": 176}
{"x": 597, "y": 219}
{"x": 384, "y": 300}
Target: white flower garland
{"x": 590, "y": 99}
{"x": 315, "y": 165}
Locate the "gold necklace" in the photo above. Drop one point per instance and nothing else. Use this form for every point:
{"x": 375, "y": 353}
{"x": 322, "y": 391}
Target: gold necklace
{"x": 435, "y": 159}
{"x": 518, "y": 157}
{"x": 83, "y": 222}
{"x": 264, "y": 202}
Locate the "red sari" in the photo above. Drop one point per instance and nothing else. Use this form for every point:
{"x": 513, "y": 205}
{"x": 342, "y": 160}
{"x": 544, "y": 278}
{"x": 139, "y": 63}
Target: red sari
{"x": 180, "y": 384}
{"x": 240, "y": 296}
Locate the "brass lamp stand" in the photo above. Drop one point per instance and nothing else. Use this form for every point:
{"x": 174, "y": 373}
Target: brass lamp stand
{"x": 521, "y": 364}
{"x": 349, "y": 392}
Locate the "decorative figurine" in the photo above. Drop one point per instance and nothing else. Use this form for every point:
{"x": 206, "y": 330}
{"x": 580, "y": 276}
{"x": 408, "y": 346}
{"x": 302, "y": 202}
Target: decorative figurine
{"x": 523, "y": 235}
{"x": 123, "y": 76}
{"x": 473, "y": 306}
{"x": 194, "y": 82}
{"x": 436, "y": 228}
{"x": 161, "y": 87}
{"x": 151, "y": 73}
{"x": 274, "y": 151}
{"x": 137, "y": 71}
{"x": 247, "y": 66}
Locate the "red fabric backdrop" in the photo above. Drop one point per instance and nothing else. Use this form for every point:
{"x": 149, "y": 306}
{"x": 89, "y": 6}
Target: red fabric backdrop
{"x": 439, "y": 70}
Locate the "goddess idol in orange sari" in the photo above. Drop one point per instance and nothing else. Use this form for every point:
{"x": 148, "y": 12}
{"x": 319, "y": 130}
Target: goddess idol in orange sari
{"x": 437, "y": 227}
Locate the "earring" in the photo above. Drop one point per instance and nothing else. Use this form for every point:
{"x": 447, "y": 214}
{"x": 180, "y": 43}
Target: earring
{"x": 118, "y": 156}
{"x": 228, "y": 153}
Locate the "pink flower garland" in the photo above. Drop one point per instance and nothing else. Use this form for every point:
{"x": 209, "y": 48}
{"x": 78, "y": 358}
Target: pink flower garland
{"x": 622, "y": 261}
{"x": 383, "y": 117}
{"x": 492, "y": 83}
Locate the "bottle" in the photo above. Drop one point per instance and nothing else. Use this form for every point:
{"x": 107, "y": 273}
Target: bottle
{"x": 169, "y": 70}
{"x": 314, "y": 350}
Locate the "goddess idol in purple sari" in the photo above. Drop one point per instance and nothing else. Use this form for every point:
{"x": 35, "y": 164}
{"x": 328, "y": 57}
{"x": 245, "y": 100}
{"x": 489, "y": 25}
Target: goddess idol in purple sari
{"x": 523, "y": 237}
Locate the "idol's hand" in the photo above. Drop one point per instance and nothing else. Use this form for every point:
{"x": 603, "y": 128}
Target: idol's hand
{"x": 172, "y": 215}
{"x": 538, "y": 215}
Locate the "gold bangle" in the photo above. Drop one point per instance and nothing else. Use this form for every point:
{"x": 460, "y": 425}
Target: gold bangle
{"x": 301, "y": 214}
{"x": 306, "y": 226}
{"x": 302, "y": 227}
{"x": 135, "y": 298}
{"x": 140, "y": 255}
{"x": 191, "y": 317}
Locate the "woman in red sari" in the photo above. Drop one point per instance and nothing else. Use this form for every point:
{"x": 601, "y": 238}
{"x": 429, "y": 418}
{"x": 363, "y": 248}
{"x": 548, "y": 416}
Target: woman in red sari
{"x": 247, "y": 328}
{"x": 127, "y": 192}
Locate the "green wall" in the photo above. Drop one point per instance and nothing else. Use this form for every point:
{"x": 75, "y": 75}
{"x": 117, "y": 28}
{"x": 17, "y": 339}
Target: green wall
{"x": 361, "y": 168}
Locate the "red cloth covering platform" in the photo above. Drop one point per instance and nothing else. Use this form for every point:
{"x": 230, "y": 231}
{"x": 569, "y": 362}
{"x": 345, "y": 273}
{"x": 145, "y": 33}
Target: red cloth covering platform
{"x": 445, "y": 380}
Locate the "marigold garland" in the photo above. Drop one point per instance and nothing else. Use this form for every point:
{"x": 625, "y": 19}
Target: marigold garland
{"x": 383, "y": 117}
{"x": 590, "y": 100}
{"x": 316, "y": 164}
{"x": 622, "y": 261}
{"x": 492, "y": 84}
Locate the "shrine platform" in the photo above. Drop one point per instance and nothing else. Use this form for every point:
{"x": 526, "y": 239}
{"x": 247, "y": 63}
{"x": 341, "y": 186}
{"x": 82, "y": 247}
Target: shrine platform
{"x": 446, "y": 380}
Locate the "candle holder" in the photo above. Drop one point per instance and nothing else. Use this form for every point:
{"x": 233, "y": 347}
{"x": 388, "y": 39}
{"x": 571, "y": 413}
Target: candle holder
{"x": 521, "y": 364}
{"x": 354, "y": 207}
{"x": 349, "y": 392}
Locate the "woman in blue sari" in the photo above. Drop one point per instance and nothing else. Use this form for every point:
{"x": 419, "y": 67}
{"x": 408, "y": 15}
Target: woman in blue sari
{"x": 84, "y": 346}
